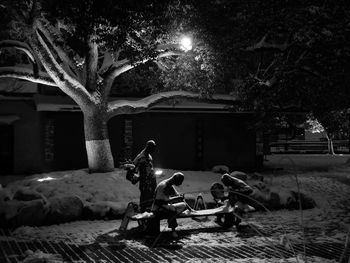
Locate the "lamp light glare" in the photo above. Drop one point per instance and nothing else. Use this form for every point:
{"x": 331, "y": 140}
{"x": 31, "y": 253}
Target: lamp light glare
{"x": 186, "y": 44}
{"x": 158, "y": 172}
{"x": 45, "y": 179}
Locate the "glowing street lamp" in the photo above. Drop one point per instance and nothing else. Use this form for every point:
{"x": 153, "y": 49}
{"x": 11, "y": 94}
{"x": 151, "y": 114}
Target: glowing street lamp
{"x": 186, "y": 43}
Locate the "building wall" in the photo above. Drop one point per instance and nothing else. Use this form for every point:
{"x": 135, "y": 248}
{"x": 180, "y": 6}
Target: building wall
{"x": 116, "y": 129}
{"x": 27, "y": 154}
{"x": 174, "y": 135}
{"x": 68, "y": 150}
{"x": 46, "y": 141}
{"x": 196, "y": 140}
{"x": 229, "y": 140}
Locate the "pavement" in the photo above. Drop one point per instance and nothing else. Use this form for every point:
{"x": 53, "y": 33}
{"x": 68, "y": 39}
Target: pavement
{"x": 199, "y": 241}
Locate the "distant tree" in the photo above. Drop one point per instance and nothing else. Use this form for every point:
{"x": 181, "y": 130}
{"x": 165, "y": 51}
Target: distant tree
{"x": 334, "y": 123}
{"x": 278, "y": 57}
{"x": 82, "y": 46}
{"x": 282, "y": 56}
{"x": 314, "y": 126}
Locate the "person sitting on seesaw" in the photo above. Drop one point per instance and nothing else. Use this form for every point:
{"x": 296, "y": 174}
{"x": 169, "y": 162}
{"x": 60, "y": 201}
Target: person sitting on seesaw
{"x": 168, "y": 203}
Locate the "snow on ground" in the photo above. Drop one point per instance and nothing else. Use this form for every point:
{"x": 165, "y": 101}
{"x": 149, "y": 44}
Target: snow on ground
{"x": 326, "y": 179}
{"x": 272, "y": 260}
{"x": 79, "y": 232}
{"x": 89, "y": 187}
{"x": 328, "y": 222}
{"x": 305, "y": 162}
{"x": 110, "y": 186}
{"x": 39, "y": 256}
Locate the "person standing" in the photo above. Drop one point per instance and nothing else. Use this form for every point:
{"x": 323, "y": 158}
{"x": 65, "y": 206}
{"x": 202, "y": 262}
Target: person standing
{"x": 145, "y": 176}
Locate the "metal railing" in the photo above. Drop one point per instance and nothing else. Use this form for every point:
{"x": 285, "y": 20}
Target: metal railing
{"x": 301, "y": 146}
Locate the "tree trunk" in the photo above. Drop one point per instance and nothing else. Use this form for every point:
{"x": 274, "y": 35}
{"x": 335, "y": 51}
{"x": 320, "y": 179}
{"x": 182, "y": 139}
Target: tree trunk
{"x": 100, "y": 158}
{"x": 330, "y": 145}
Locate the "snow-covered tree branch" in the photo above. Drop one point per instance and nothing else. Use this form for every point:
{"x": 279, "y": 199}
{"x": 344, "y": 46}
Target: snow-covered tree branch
{"x": 122, "y": 66}
{"x": 20, "y": 46}
{"x": 60, "y": 54}
{"x": 64, "y": 81}
{"x": 26, "y": 74}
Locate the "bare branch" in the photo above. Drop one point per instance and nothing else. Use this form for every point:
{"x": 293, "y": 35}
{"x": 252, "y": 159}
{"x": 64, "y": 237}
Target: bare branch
{"x": 311, "y": 72}
{"x": 269, "y": 66}
{"x": 169, "y": 54}
{"x": 163, "y": 47}
{"x": 109, "y": 77}
{"x": 125, "y": 65}
{"x": 33, "y": 13}
{"x": 301, "y": 57}
{"x": 161, "y": 65}
{"x": 18, "y": 45}
{"x": 64, "y": 81}
{"x": 259, "y": 65}
{"x": 22, "y": 47}
{"x": 263, "y": 45}
{"x": 116, "y": 54}
{"x": 68, "y": 64}
{"x": 26, "y": 74}
{"x": 131, "y": 107}
{"x": 91, "y": 65}
{"x": 106, "y": 63}
{"x": 267, "y": 82}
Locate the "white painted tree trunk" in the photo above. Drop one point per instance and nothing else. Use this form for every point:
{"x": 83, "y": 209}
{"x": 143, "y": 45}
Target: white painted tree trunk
{"x": 99, "y": 154}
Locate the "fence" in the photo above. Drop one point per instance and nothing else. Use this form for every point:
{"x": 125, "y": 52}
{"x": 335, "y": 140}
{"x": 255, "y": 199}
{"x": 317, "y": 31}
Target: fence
{"x": 301, "y": 146}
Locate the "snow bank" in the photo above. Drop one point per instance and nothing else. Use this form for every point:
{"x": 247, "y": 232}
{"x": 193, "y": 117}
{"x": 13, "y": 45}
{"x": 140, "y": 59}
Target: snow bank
{"x": 107, "y": 194}
{"x": 89, "y": 187}
{"x": 110, "y": 186}
{"x": 102, "y": 194}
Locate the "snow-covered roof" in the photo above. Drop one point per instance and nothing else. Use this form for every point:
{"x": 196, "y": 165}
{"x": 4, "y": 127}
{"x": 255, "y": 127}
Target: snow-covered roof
{"x": 55, "y": 103}
{"x": 64, "y": 103}
{"x": 9, "y": 85}
{"x": 8, "y": 119}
